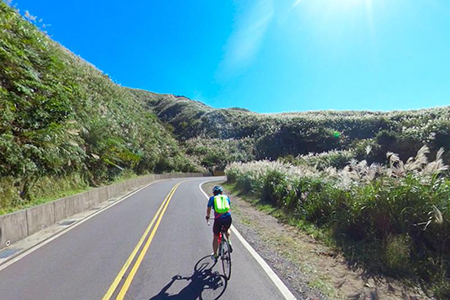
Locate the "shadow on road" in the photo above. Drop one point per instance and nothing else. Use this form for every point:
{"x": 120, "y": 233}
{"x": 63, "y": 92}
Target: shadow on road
{"x": 203, "y": 284}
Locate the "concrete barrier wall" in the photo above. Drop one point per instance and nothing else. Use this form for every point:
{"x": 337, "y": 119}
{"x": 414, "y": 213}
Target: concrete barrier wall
{"x": 13, "y": 227}
{"x": 18, "y": 225}
{"x": 40, "y": 217}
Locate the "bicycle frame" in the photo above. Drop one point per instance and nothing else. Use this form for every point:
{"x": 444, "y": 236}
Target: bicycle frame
{"x": 222, "y": 239}
{"x": 224, "y": 251}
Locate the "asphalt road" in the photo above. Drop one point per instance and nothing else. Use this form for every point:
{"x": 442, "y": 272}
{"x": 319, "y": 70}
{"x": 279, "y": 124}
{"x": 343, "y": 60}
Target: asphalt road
{"x": 172, "y": 261}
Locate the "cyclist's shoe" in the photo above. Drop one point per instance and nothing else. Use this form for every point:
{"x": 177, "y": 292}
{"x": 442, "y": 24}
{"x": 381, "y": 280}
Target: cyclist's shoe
{"x": 214, "y": 257}
{"x": 230, "y": 246}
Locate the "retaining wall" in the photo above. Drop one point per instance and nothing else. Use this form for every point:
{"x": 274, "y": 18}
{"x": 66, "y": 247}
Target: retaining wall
{"x": 18, "y": 225}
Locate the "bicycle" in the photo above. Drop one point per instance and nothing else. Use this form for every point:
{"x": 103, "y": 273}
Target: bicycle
{"x": 224, "y": 252}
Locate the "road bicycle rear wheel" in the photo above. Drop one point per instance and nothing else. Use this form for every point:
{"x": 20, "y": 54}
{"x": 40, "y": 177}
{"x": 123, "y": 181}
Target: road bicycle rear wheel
{"x": 226, "y": 260}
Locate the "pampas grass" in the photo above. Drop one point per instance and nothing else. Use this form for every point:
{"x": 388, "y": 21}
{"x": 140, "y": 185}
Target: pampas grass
{"x": 396, "y": 212}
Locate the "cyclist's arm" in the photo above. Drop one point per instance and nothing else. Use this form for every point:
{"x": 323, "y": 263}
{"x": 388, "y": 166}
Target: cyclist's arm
{"x": 210, "y": 205}
{"x": 208, "y": 212}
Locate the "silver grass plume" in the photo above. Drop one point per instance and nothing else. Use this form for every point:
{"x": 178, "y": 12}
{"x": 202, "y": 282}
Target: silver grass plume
{"x": 437, "y": 215}
{"x": 421, "y": 158}
{"x": 436, "y": 166}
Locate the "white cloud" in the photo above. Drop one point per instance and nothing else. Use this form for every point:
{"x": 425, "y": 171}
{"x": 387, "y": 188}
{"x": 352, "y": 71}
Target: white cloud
{"x": 249, "y": 32}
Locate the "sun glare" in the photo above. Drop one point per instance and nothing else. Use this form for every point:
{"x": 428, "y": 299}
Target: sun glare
{"x": 337, "y": 5}
{"x": 348, "y": 5}
{"x": 336, "y": 13}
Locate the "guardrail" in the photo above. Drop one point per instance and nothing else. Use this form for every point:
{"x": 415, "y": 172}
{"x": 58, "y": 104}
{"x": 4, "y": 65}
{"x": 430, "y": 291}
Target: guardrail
{"x": 19, "y": 225}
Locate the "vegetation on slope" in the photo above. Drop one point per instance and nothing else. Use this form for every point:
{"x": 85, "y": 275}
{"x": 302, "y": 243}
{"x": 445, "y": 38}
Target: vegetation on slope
{"x": 273, "y": 136}
{"x": 63, "y": 119}
{"x": 391, "y": 219}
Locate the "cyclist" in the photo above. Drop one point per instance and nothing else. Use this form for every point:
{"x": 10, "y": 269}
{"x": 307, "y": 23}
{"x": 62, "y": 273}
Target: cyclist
{"x": 222, "y": 217}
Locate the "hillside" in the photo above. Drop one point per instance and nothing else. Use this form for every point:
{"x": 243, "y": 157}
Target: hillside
{"x": 65, "y": 124}
{"x": 219, "y": 136}
{"x": 62, "y": 117}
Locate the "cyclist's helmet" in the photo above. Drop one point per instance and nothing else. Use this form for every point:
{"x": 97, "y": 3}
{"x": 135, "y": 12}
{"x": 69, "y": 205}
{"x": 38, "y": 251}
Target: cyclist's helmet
{"x": 217, "y": 190}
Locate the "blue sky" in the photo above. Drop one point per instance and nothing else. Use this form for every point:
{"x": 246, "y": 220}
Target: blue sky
{"x": 265, "y": 55}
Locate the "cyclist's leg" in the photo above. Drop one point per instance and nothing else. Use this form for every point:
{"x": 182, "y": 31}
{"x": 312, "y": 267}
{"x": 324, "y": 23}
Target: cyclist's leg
{"x": 216, "y": 231}
{"x": 228, "y": 232}
{"x": 215, "y": 244}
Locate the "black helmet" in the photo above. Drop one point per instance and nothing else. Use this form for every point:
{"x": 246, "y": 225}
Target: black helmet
{"x": 217, "y": 190}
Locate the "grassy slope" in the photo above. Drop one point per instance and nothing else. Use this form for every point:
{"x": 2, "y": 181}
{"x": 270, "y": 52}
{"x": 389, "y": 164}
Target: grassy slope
{"x": 64, "y": 120}
{"x": 389, "y": 220}
{"x": 241, "y": 135}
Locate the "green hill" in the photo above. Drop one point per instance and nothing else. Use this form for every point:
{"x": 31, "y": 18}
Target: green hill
{"x": 219, "y": 136}
{"x": 62, "y": 120}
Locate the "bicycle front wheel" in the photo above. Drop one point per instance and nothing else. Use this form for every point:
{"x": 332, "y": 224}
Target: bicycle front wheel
{"x": 226, "y": 260}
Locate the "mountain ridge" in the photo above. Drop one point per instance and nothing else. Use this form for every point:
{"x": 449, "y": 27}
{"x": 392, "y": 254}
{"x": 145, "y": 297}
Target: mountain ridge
{"x": 294, "y": 134}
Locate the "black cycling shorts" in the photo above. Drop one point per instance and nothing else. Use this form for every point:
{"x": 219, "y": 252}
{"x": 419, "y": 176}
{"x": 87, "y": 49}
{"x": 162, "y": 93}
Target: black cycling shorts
{"x": 218, "y": 223}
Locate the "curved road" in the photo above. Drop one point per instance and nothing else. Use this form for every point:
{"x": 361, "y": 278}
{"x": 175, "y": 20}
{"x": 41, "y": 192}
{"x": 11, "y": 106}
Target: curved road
{"x": 168, "y": 260}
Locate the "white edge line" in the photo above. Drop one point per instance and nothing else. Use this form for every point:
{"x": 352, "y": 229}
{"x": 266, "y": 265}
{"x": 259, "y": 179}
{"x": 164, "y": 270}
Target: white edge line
{"x": 57, "y": 235}
{"x": 275, "y": 279}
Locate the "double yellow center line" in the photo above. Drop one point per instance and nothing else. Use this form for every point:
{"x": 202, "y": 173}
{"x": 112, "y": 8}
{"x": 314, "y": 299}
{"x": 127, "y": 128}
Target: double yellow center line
{"x": 158, "y": 216}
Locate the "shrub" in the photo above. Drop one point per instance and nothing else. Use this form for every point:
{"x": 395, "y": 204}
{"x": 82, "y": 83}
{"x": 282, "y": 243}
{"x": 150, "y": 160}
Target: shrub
{"x": 392, "y": 218}
{"x": 396, "y": 255}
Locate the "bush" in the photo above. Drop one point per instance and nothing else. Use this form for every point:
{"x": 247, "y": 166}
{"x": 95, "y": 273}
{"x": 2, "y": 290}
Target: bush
{"x": 392, "y": 219}
{"x": 321, "y": 161}
{"x": 396, "y": 256}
